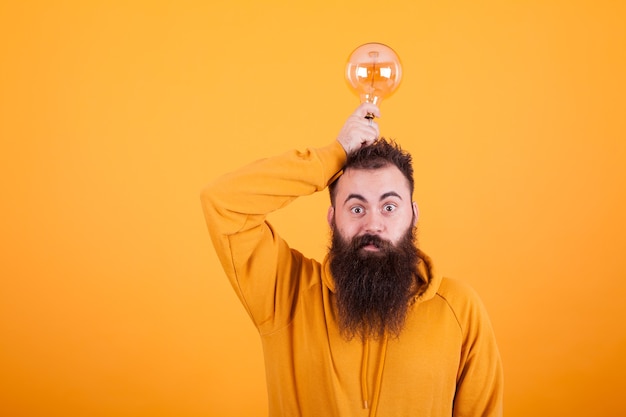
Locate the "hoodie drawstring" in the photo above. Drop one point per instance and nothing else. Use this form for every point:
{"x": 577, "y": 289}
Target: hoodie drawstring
{"x": 364, "y": 360}
{"x": 379, "y": 376}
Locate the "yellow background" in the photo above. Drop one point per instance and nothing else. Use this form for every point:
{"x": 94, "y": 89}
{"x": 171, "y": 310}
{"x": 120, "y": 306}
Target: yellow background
{"x": 113, "y": 115}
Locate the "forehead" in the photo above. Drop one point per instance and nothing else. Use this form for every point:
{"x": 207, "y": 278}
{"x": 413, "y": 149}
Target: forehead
{"x": 373, "y": 183}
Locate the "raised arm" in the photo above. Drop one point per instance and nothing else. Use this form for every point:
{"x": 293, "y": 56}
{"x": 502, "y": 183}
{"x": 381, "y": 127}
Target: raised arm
{"x": 256, "y": 260}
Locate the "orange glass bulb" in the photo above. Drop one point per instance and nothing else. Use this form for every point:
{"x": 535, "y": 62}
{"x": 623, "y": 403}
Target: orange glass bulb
{"x": 374, "y": 72}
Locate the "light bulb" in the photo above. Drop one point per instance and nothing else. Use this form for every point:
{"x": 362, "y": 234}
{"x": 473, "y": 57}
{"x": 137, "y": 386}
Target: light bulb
{"x": 374, "y": 72}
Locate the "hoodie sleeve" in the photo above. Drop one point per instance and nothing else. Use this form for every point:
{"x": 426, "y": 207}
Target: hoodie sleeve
{"x": 480, "y": 377}
{"x": 256, "y": 260}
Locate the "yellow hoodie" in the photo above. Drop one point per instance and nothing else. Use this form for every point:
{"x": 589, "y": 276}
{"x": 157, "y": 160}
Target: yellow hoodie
{"x": 445, "y": 362}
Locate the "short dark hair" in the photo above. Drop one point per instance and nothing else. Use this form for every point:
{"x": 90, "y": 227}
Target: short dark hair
{"x": 381, "y": 153}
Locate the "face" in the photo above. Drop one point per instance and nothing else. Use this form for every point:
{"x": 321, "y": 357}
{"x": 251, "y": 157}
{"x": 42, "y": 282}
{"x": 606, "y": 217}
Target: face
{"x": 376, "y": 202}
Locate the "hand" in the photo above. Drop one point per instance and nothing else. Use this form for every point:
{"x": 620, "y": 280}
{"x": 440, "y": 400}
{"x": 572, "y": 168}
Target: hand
{"x": 359, "y": 131}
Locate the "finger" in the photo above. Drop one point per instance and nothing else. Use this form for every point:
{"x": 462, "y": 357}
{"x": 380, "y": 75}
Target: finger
{"x": 366, "y": 127}
{"x": 372, "y": 127}
{"x": 367, "y": 142}
{"x": 367, "y": 108}
{"x": 368, "y": 137}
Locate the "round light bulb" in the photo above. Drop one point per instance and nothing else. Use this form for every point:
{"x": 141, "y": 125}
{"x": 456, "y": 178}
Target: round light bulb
{"x": 374, "y": 72}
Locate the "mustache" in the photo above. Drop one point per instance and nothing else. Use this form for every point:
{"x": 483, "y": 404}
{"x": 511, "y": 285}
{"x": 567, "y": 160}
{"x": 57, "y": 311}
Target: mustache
{"x": 367, "y": 239}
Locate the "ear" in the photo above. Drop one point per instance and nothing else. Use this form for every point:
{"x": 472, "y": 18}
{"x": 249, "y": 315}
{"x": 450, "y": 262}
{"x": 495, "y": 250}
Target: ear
{"x": 416, "y": 213}
{"x": 330, "y": 216}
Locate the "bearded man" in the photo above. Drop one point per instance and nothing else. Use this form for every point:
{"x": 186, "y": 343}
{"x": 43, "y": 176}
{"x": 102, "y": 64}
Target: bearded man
{"x": 371, "y": 330}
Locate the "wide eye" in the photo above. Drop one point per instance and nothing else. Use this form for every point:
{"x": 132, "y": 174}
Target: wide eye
{"x": 389, "y": 208}
{"x": 357, "y": 210}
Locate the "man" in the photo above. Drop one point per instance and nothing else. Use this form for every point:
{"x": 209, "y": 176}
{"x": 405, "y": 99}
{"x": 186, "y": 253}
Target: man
{"x": 371, "y": 330}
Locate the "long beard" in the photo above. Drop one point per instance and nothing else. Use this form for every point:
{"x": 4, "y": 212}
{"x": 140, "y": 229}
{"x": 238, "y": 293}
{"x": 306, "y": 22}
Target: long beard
{"x": 374, "y": 290}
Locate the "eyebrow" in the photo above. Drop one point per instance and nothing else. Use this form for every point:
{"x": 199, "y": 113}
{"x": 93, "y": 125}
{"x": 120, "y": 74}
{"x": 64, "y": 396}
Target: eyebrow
{"x": 363, "y": 199}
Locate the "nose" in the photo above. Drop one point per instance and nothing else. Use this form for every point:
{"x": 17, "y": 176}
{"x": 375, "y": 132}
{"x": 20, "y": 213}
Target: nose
{"x": 373, "y": 223}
